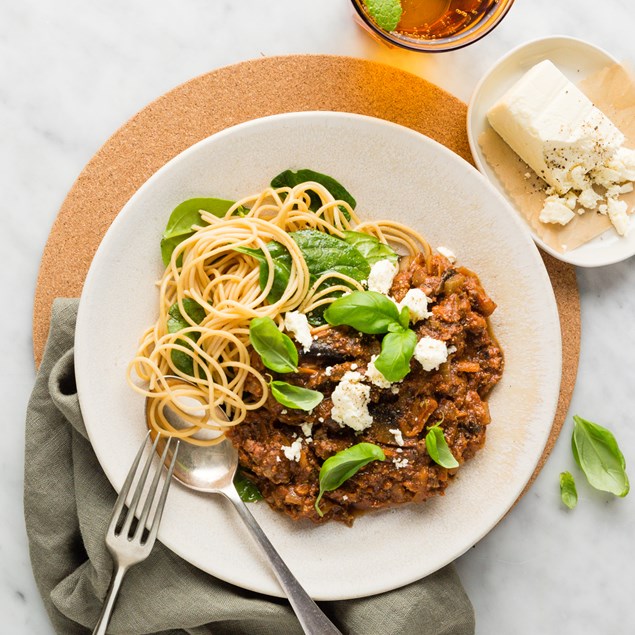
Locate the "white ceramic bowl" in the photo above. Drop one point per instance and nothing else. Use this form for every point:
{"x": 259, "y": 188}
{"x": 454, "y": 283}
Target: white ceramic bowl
{"x": 394, "y": 173}
{"x": 577, "y": 60}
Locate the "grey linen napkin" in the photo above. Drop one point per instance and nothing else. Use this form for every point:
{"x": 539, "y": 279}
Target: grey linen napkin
{"x": 68, "y": 502}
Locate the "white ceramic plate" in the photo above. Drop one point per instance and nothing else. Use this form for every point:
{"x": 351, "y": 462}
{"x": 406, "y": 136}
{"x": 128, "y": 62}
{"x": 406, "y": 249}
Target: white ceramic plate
{"x": 577, "y": 60}
{"x": 394, "y": 173}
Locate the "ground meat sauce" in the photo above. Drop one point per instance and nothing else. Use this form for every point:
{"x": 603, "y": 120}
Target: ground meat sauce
{"x": 455, "y": 393}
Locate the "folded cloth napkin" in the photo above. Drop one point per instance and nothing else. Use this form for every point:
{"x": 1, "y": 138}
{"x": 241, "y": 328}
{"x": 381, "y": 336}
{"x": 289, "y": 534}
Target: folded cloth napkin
{"x": 68, "y": 502}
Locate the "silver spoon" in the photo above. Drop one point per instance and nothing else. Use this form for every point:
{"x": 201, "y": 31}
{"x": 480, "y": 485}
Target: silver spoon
{"x": 212, "y": 469}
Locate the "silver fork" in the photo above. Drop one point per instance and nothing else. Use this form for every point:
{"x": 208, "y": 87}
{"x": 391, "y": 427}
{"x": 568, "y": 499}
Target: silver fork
{"x": 130, "y": 545}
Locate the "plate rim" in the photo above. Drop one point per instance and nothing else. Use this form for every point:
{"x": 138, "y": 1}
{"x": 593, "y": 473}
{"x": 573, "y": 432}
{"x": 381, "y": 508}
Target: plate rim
{"x": 541, "y": 270}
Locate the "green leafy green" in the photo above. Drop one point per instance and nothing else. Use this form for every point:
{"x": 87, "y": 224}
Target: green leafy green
{"x": 281, "y": 267}
{"x": 246, "y": 488}
{"x": 370, "y": 247}
{"x": 274, "y": 347}
{"x": 367, "y": 311}
{"x": 404, "y": 317}
{"x": 438, "y": 448}
{"x": 184, "y": 216}
{"x": 596, "y": 452}
{"x": 288, "y": 178}
{"x": 386, "y": 13}
{"x": 176, "y": 323}
{"x": 295, "y": 397}
{"x": 325, "y": 254}
{"x": 568, "y": 491}
{"x": 341, "y": 466}
{"x": 396, "y": 352}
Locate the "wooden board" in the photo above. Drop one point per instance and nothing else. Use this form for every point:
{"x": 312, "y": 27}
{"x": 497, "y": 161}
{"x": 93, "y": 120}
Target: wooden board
{"x": 239, "y": 93}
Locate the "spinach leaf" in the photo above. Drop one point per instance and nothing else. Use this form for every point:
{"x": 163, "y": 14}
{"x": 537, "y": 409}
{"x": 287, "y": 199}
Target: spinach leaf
{"x": 568, "y": 491}
{"x": 176, "y": 323}
{"x": 288, "y": 178}
{"x": 341, "y": 466}
{"x": 281, "y": 267}
{"x": 367, "y": 311}
{"x": 396, "y": 352}
{"x": 596, "y": 452}
{"x": 185, "y": 215}
{"x": 324, "y": 254}
{"x": 386, "y": 13}
{"x": 274, "y": 347}
{"x": 370, "y": 247}
{"x": 246, "y": 488}
{"x": 295, "y": 397}
{"x": 438, "y": 449}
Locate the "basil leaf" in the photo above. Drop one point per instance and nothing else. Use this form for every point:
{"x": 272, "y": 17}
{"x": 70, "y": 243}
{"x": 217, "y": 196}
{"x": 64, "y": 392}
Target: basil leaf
{"x": 246, "y": 488}
{"x": 281, "y": 267}
{"x": 324, "y": 254}
{"x": 288, "y": 178}
{"x": 438, "y": 448}
{"x": 295, "y": 397}
{"x": 370, "y": 247}
{"x": 396, "y": 352}
{"x": 568, "y": 491}
{"x": 274, "y": 347}
{"x": 387, "y": 13}
{"x": 596, "y": 452}
{"x": 404, "y": 317}
{"x": 367, "y": 311}
{"x": 341, "y": 466}
{"x": 184, "y": 215}
{"x": 176, "y": 322}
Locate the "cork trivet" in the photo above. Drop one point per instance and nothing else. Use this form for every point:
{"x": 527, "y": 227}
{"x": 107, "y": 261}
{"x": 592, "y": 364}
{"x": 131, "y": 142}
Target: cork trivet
{"x": 242, "y": 92}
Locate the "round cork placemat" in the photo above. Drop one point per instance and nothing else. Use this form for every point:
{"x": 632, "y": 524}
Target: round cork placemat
{"x": 232, "y": 95}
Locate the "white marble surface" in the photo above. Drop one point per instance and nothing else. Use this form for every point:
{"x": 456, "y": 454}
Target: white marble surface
{"x": 72, "y": 72}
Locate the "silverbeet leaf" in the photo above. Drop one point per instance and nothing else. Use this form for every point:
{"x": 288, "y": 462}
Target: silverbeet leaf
{"x": 295, "y": 397}
{"x": 176, "y": 323}
{"x": 568, "y": 491}
{"x": 596, "y": 452}
{"x": 341, "y": 466}
{"x": 276, "y": 349}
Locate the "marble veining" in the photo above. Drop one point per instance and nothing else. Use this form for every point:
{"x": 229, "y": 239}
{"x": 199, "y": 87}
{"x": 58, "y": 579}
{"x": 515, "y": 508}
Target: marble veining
{"x": 73, "y": 72}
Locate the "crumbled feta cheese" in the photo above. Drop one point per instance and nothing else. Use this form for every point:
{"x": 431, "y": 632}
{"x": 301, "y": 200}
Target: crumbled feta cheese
{"x": 306, "y": 428}
{"x": 394, "y": 389}
{"x": 448, "y": 253}
{"x": 381, "y": 276}
{"x": 283, "y": 412}
{"x": 399, "y": 450}
{"x": 399, "y": 463}
{"x": 430, "y": 353}
{"x": 354, "y": 366}
{"x": 396, "y": 432}
{"x": 556, "y": 211}
{"x": 617, "y": 213}
{"x": 321, "y": 419}
{"x": 589, "y": 198}
{"x": 278, "y": 459}
{"x": 297, "y": 324}
{"x": 345, "y": 497}
{"x": 452, "y": 349}
{"x": 417, "y": 302}
{"x": 571, "y": 200}
{"x": 328, "y": 371}
{"x": 615, "y": 190}
{"x": 350, "y": 402}
{"x": 293, "y": 452}
{"x": 374, "y": 376}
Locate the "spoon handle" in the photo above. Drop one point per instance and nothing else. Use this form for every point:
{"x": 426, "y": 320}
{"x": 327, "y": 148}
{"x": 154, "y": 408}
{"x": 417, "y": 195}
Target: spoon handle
{"x": 309, "y": 614}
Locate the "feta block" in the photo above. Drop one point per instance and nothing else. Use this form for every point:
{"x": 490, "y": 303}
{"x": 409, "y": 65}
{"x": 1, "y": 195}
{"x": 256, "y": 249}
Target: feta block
{"x": 556, "y": 210}
{"x": 297, "y": 324}
{"x": 417, "y": 302}
{"x": 430, "y": 353}
{"x": 350, "y": 402}
{"x": 617, "y": 214}
{"x": 382, "y": 273}
{"x": 554, "y": 127}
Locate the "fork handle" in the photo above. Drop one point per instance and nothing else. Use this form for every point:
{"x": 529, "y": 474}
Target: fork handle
{"x": 309, "y": 614}
{"x": 109, "y": 602}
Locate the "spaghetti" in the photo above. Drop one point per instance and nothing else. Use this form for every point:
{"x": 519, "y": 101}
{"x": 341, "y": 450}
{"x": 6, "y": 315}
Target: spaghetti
{"x": 206, "y": 268}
